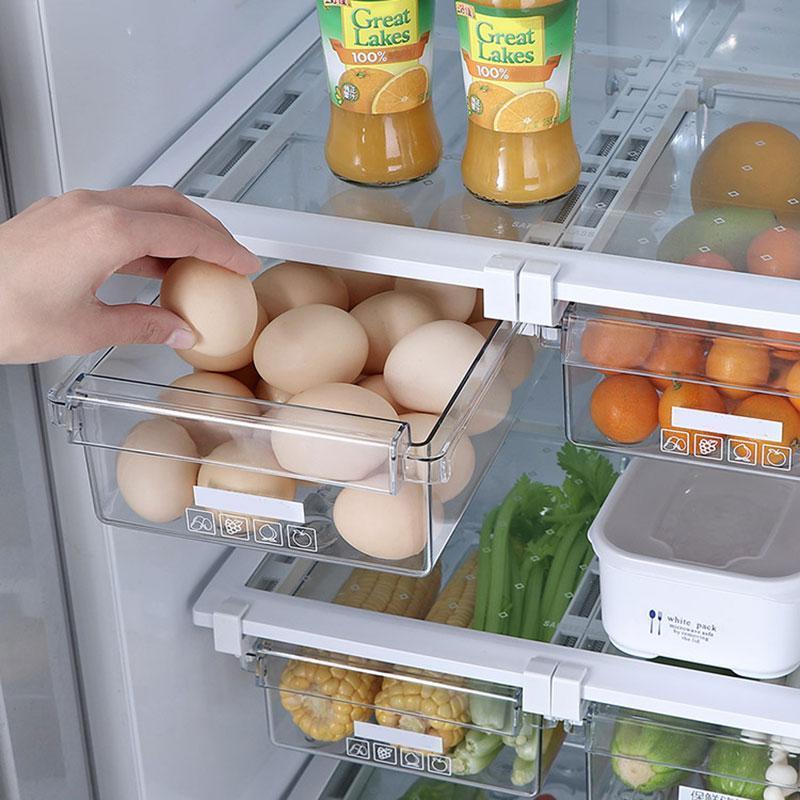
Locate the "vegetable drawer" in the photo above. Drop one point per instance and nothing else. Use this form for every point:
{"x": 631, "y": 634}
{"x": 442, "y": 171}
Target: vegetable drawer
{"x": 670, "y": 388}
{"x": 648, "y": 755}
{"x": 137, "y": 413}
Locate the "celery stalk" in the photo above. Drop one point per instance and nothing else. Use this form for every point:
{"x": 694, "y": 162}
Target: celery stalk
{"x": 484, "y": 574}
{"x": 523, "y": 772}
{"x": 475, "y": 753}
{"x": 533, "y": 602}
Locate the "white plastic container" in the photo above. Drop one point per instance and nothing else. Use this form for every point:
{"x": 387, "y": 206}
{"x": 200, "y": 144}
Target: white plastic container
{"x": 702, "y": 565}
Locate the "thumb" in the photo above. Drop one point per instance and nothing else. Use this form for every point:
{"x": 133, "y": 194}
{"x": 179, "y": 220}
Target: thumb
{"x": 135, "y": 323}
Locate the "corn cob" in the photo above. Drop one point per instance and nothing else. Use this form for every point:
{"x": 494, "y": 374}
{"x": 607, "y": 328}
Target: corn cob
{"x": 435, "y": 710}
{"x": 325, "y": 701}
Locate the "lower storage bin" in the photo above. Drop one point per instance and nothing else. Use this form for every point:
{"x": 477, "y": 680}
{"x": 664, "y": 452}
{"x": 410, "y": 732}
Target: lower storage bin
{"x": 671, "y": 388}
{"x": 634, "y": 754}
{"x": 418, "y": 722}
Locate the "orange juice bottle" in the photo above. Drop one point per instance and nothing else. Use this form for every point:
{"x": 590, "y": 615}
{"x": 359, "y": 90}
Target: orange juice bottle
{"x": 517, "y": 60}
{"x": 379, "y": 61}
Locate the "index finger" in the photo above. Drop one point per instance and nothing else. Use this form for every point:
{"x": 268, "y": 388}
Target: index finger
{"x": 160, "y": 235}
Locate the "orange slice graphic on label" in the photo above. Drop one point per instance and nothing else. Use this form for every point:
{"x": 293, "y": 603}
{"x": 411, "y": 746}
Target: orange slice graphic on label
{"x": 484, "y": 100}
{"x": 357, "y": 87}
{"x": 403, "y": 92}
{"x": 532, "y": 111}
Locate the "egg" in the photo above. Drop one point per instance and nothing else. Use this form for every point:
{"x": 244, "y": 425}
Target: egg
{"x": 385, "y": 526}
{"x": 387, "y": 318}
{"x": 519, "y": 357}
{"x": 156, "y": 488}
{"x": 264, "y": 391}
{"x": 377, "y": 384}
{"x": 753, "y": 165}
{"x": 293, "y": 284}
{"x": 248, "y": 375}
{"x": 327, "y": 457}
{"x": 361, "y": 285}
{"x": 426, "y": 366}
{"x": 207, "y": 435}
{"x": 248, "y": 453}
{"x": 452, "y": 302}
{"x": 492, "y": 409}
{"x": 311, "y": 345}
{"x": 240, "y": 359}
{"x": 218, "y": 304}
{"x": 461, "y": 461}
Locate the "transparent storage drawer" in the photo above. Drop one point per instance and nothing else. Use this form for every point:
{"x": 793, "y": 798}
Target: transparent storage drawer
{"x": 670, "y": 388}
{"x": 409, "y": 720}
{"x": 409, "y": 503}
{"x": 635, "y": 754}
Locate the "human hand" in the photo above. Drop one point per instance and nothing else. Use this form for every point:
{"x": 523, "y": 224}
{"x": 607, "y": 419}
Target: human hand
{"x": 55, "y": 255}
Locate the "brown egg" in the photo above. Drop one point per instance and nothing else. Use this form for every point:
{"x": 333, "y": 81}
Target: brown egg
{"x": 269, "y": 393}
{"x": 220, "y": 305}
{"x": 311, "y": 345}
{"x": 452, "y": 302}
{"x": 158, "y": 489}
{"x": 241, "y": 359}
{"x": 377, "y": 384}
{"x": 248, "y": 375}
{"x": 247, "y": 453}
{"x": 349, "y": 456}
{"x": 460, "y": 463}
{"x": 492, "y": 408}
{"x": 387, "y": 318}
{"x": 207, "y": 435}
{"x": 361, "y": 285}
{"x": 426, "y": 367}
{"x": 385, "y": 526}
{"x": 520, "y": 355}
{"x": 293, "y": 284}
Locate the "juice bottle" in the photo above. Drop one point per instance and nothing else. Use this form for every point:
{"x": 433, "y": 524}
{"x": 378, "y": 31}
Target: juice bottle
{"x": 379, "y": 61}
{"x": 517, "y": 63}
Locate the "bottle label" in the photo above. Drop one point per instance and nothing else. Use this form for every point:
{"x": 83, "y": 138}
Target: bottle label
{"x": 517, "y": 64}
{"x": 377, "y": 53}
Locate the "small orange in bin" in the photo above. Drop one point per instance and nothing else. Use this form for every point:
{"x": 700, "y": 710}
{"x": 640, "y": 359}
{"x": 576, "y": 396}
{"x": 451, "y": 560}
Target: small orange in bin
{"x": 787, "y": 352}
{"x": 710, "y": 260}
{"x": 677, "y": 355}
{"x": 780, "y": 375}
{"x": 775, "y": 252}
{"x": 772, "y": 407}
{"x": 617, "y": 345}
{"x": 793, "y": 385}
{"x": 625, "y": 408}
{"x": 739, "y": 363}
{"x": 698, "y": 396}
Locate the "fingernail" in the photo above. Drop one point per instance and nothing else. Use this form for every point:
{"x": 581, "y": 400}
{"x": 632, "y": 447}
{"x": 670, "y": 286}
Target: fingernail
{"x": 181, "y": 339}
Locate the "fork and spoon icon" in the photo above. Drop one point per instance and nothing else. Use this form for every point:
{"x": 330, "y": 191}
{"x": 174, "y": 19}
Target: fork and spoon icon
{"x": 653, "y": 617}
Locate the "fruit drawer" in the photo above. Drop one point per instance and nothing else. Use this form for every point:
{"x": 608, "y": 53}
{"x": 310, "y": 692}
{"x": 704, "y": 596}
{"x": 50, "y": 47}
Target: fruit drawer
{"x": 199, "y": 455}
{"x": 670, "y": 388}
{"x": 648, "y": 755}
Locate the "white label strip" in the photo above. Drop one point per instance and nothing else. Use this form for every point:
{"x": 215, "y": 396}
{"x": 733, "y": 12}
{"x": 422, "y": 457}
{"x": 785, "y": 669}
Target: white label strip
{"x": 406, "y": 739}
{"x": 692, "y": 793}
{"x": 252, "y": 504}
{"x": 765, "y": 430}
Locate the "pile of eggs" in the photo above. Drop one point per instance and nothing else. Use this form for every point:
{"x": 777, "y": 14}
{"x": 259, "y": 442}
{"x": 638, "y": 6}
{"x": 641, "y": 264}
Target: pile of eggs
{"x": 366, "y": 345}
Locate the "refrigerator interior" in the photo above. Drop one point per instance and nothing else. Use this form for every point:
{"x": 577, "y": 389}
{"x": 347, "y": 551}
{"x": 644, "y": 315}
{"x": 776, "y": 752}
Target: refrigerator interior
{"x": 654, "y": 84}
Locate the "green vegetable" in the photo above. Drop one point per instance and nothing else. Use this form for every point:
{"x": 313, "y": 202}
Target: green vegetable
{"x": 476, "y": 752}
{"x": 488, "y": 712}
{"x": 484, "y": 575}
{"x": 649, "y": 757}
{"x": 429, "y": 789}
{"x": 523, "y": 772}
{"x": 738, "y": 769}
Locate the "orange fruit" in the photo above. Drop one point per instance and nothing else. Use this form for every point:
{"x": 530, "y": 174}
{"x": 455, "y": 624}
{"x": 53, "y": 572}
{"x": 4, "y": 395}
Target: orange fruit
{"x": 772, "y": 407}
{"x": 484, "y": 101}
{"x": 531, "y": 111}
{"x": 793, "y": 385}
{"x": 402, "y": 92}
{"x": 780, "y": 374}
{"x": 788, "y": 352}
{"x": 625, "y": 408}
{"x": 775, "y": 252}
{"x": 617, "y": 345}
{"x": 710, "y": 259}
{"x": 675, "y": 354}
{"x": 699, "y": 396}
{"x": 358, "y": 86}
{"x": 739, "y": 363}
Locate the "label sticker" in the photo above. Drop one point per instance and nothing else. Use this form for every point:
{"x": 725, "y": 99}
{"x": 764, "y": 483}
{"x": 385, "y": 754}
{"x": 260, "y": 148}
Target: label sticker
{"x": 692, "y": 631}
{"x": 377, "y": 53}
{"x": 406, "y": 739}
{"x": 517, "y": 64}
{"x": 251, "y": 504}
{"x": 693, "y": 793}
{"x": 765, "y": 430}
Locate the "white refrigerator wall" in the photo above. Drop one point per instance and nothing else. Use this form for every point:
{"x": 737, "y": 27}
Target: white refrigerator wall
{"x": 91, "y": 93}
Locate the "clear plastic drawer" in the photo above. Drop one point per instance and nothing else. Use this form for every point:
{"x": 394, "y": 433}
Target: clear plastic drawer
{"x": 671, "y": 388}
{"x": 198, "y": 461}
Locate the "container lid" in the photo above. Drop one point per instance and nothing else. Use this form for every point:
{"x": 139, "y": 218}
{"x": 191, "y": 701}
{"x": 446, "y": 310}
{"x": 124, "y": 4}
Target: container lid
{"x": 715, "y": 527}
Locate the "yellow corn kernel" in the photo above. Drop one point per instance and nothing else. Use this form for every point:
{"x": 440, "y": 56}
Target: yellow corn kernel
{"x": 456, "y": 604}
